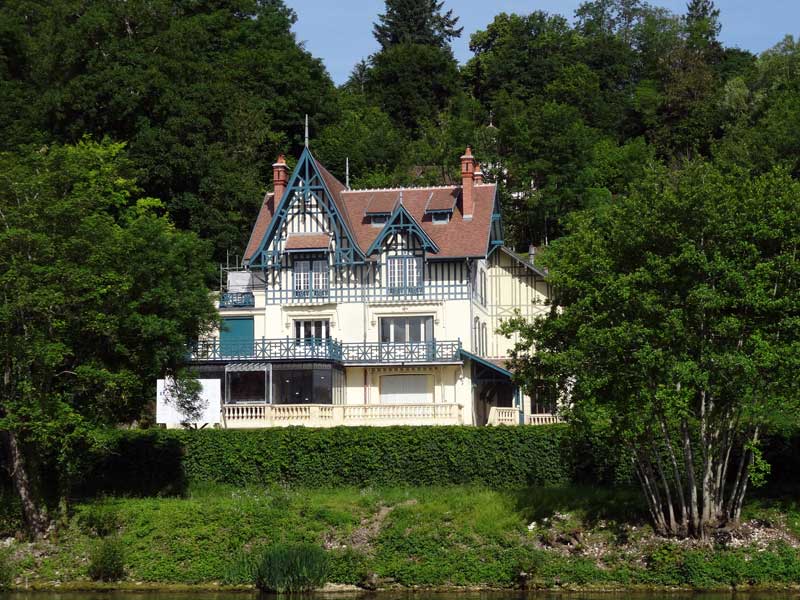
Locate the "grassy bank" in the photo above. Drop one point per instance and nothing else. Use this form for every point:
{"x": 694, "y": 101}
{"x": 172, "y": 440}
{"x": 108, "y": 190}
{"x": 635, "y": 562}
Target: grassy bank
{"x": 415, "y": 536}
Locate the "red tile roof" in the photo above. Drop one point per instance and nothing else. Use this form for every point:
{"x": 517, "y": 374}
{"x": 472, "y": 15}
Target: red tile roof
{"x": 457, "y": 238}
{"x": 265, "y": 215}
{"x": 307, "y": 241}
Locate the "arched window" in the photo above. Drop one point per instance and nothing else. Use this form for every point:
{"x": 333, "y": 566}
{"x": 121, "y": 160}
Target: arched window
{"x": 476, "y": 335}
{"x": 485, "y": 339}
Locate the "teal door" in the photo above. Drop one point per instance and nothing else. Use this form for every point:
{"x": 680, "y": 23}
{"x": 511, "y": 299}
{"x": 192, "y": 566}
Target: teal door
{"x": 236, "y": 337}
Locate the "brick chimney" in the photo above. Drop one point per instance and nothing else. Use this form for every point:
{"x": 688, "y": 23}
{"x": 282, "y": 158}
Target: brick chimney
{"x": 467, "y": 171}
{"x": 477, "y": 176}
{"x": 280, "y": 177}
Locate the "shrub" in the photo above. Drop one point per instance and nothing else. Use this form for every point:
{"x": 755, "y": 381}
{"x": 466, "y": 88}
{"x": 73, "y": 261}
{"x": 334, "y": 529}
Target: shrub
{"x": 101, "y": 519}
{"x": 6, "y": 570}
{"x": 107, "y": 561}
{"x": 291, "y": 568}
{"x": 665, "y": 564}
{"x": 241, "y": 569}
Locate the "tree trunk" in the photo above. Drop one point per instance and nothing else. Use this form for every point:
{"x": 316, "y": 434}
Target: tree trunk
{"x": 32, "y": 512}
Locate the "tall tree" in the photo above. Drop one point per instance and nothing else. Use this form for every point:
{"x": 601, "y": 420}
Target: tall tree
{"x": 416, "y": 22}
{"x": 414, "y": 75}
{"x": 99, "y": 295}
{"x": 204, "y": 93}
{"x": 703, "y": 26}
{"x": 675, "y": 322}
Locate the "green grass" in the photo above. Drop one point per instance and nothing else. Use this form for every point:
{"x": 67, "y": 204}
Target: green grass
{"x": 412, "y": 536}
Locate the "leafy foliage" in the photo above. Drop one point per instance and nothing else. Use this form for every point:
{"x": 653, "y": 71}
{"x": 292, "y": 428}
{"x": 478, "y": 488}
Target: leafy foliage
{"x": 6, "y": 570}
{"x": 204, "y": 94}
{"x": 92, "y": 307}
{"x": 675, "y": 320}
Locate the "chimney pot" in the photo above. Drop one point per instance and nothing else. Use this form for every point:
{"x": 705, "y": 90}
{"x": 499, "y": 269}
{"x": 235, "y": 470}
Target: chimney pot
{"x": 280, "y": 177}
{"x": 477, "y": 176}
{"x": 467, "y": 183}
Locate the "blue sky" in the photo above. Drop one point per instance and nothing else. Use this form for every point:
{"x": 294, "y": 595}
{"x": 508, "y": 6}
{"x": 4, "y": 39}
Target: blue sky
{"x": 340, "y": 31}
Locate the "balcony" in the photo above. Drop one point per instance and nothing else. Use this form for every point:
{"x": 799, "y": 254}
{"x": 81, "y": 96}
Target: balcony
{"x": 408, "y": 352}
{"x": 252, "y": 416}
{"x": 237, "y": 300}
{"x": 354, "y": 353}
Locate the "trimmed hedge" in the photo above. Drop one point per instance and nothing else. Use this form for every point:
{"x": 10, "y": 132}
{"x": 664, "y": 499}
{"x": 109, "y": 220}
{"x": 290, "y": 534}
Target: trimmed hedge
{"x": 163, "y": 461}
{"x": 495, "y": 456}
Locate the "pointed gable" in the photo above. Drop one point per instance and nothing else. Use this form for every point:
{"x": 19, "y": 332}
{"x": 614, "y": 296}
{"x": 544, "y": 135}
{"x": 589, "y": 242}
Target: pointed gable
{"x": 401, "y": 221}
{"x": 310, "y": 181}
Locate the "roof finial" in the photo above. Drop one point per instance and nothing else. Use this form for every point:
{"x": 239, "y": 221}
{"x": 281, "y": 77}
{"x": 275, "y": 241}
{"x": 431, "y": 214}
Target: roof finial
{"x": 306, "y": 130}
{"x": 347, "y": 172}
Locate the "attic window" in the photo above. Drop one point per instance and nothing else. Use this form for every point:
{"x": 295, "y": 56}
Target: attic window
{"x": 440, "y": 218}
{"x": 379, "y": 220}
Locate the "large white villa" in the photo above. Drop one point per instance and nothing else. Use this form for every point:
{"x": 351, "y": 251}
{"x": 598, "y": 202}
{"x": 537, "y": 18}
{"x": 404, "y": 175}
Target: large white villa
{"x": 371, "y": 307}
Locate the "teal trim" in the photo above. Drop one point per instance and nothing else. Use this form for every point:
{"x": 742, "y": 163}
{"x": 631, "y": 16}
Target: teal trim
{"x": 402, "y": 221}
{"x": 234, "y": 334}
{"x": 482, "y": 361}
{"x": 306, "y": 177}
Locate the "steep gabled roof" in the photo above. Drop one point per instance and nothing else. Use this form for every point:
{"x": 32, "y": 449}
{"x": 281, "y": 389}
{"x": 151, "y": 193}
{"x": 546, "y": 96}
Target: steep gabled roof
{"x": 457, "y": 238}
{"x": 263, "y": 220}
{"x": 307, "y": 170}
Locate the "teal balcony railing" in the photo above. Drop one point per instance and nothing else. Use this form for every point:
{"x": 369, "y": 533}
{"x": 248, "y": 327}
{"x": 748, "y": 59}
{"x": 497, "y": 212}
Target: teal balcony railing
{"x": 237, "y": 300}
{"x": 326, "y": 349}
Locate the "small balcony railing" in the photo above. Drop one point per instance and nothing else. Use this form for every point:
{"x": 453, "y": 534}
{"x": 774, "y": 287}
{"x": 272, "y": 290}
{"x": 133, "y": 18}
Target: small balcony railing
{"x": 327, "y": 349}
{"x": 237, "y": 300}
{"x": 401, "y": 352}
{"x": 267, "y": 349}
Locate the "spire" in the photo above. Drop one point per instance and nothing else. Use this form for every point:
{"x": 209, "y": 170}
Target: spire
{"x": 306, "y": 144}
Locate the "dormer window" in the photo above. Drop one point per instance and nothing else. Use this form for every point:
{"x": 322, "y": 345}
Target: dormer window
{"x": 379, "y": 220}
{"x": 440, "y": 218}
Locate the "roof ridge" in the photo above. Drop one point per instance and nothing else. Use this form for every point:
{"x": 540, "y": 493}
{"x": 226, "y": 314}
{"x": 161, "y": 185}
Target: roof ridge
{"x": 399, "y": 188}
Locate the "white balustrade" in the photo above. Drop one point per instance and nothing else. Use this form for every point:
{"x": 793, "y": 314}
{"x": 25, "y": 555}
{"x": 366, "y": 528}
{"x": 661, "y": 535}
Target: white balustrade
{"x": 502, "y": 415}
{"x": 543, "y": 419}
{"x": 250, "y": 416}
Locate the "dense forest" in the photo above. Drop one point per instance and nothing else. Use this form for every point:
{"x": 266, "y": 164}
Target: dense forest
{"x": 206, "y": 94}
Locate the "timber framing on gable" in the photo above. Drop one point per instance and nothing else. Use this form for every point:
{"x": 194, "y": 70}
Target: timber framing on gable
{"x": 307, "y": 190}
{"x": 401, "y": 222}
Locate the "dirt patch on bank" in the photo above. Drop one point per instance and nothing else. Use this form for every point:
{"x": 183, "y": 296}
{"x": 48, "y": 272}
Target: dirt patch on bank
{"x": 369, "y": 528}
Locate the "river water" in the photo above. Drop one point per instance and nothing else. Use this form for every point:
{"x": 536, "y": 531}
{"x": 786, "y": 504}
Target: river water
{"x": 126, "y": 595}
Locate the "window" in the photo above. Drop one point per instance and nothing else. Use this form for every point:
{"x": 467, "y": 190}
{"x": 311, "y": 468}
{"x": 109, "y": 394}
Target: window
{"x": 379, "y": 220}
{"x": 406, "y": 389}
{"x": 406, "y": 329}
{"x": 308, "y": 329}
{"x": 440, "y": 218}
{"x": 311, "y": 279}
{"x": 484, "y": 340}
{"x": 404, "y": 274}
{"x": 308, "y": 383}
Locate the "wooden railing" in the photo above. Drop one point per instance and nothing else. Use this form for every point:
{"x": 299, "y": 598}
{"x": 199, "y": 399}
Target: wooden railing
{"x": 251, "y": 416}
